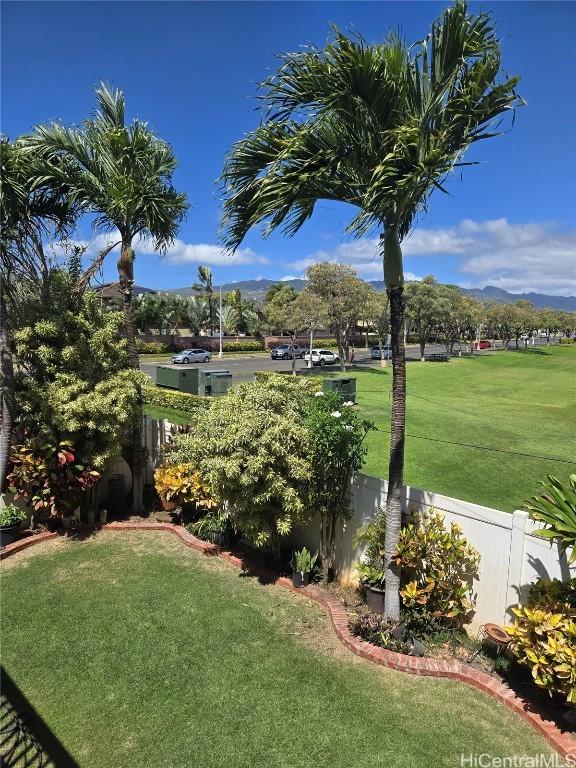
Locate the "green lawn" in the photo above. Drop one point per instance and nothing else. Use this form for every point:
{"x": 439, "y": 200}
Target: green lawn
{"x": 171, "y": 414}
{"x": 138, "y": 653}
{"x": 511, "y": 401}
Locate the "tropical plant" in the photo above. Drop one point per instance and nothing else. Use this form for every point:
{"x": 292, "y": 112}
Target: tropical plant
{"x": 11, "y": 515}
{"x": 29, "y": 213}
{"x": 556, "y": 508}
{"x": 438, "y": 566}
{"x": 48, "y": 477}
{"x": 182, "y": 485}
{"x": 336, "y": 433}
{"x": 379, "y": 127}
{"x": 370, "y": 538}
{"x": 543, "y": 637}
{"x": 205, "y": 285}
{"x": 303, "y": 561}
{"x": 123, "y": 175}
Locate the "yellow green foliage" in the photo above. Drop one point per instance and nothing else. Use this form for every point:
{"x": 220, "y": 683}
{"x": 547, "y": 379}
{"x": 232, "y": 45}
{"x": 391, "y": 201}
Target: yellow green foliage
{"x": 167, "y": 398}
{"x": 181, "y": 484}
{"x": 438, "y": 566}
{"x": 545, "y": 640}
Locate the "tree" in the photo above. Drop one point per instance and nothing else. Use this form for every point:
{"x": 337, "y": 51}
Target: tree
{"x": 549, "y": 322}
{"x": 196, "y": 314}
{"x": 377, "y": 314}
{"x": 28, "y": 214}
{"x": 294, "y": 313}
{"x": 344, "y": 297}
{"x": 123, "y": 175}
{"x": 502, "y": 318}
{"x": 426, "y": 305}
{"x": 379, "y": 127}
{"x": 205, "y": 285}
{"x": 567, "y": 323}
{"x": 524, "y": 321}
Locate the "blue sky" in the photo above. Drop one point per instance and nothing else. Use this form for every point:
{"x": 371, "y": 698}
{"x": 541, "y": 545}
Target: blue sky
{"x": 191, "y": 68}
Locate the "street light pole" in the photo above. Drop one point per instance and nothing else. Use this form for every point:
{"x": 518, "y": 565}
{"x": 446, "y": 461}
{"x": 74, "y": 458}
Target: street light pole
{"x": 220, "y": 347}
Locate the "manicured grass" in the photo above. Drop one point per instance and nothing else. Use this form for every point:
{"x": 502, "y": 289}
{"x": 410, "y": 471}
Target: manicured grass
{"x": 510, "y": 401}
{"x": 172, "y": 414}
{"x": 138, "y": 652}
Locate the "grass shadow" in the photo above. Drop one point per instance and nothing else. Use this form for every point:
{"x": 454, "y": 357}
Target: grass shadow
{"x": 26, "y": 739}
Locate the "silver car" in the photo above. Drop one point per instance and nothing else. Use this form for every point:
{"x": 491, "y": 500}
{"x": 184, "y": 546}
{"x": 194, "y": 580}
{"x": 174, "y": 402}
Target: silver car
{"x": 384, "y": 353}
{"x": 192, "y": 356}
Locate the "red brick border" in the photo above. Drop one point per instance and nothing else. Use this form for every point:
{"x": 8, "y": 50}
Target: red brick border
{"x": 18, "y": 546}
{"x": 562, "y": 742}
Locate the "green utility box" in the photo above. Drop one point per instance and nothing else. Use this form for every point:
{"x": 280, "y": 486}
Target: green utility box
{"x": 206, "y": 379}
{"x": 346, "y": 388}
{"x": 178, "y": 378}
{"x": 220, "y": 383}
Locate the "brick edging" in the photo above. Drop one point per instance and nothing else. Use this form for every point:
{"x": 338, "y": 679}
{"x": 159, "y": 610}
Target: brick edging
{"x": 18, "y": 546}
{"x": 562, "y": 742}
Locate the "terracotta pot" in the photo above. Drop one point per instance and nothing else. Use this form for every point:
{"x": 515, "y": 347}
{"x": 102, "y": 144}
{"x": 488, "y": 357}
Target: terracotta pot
{"x": 169, "y": 506}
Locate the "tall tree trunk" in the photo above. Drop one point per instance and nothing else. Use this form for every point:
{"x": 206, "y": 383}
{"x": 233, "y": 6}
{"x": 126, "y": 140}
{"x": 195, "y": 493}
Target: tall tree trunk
{"x": 7, "y": 383}
{"x": 394, "y": 281}
{"x": 126, "y": 279}
{"x": 293, "y": 341}
{"x": 422, "y": 342}
{"x": 341, "y": 348}
{"x": 396, "y": 463}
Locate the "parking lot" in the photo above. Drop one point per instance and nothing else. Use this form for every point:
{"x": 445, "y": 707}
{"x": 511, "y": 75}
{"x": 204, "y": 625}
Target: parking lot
{"x": 244, "y": 367}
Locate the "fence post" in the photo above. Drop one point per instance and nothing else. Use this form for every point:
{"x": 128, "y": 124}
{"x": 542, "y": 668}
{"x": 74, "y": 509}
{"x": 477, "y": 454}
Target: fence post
{"x": 515, "y": 561}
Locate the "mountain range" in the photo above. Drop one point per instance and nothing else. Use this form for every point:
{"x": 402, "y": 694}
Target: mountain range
{"x": 256, "y": 289}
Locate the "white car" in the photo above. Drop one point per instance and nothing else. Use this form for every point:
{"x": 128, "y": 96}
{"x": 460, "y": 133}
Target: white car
{"x": 192, "y": 356}
{"x": 322, "y": 357}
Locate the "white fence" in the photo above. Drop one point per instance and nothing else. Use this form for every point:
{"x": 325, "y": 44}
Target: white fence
{"x": 512, "y": 556}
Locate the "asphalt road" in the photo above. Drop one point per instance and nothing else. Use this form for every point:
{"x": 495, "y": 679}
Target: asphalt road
{"x": 243, "y": 368}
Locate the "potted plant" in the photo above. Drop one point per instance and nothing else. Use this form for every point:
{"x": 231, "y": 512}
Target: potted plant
{"x": 372, "y": 577}
{"x": 10, "y": 518}
{"x": 302, "y": 564}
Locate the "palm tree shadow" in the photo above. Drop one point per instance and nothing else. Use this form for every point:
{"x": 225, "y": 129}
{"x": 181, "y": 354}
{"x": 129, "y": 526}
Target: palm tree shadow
{"x": 25, "y": 738}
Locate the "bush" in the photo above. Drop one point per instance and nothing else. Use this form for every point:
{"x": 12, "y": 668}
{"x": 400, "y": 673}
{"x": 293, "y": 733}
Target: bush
{"x": 437, "y": 567}
{"x": 48, "y": 477}
{"x": 151, "y": 347}
{"x": 566, "y": 340}
{"x": 11, "y": 515}
{"x": 243, "y": 346}
{"x": 543, "y": 638}
{"x": 181, "y": 401}
{"x": 182, "y": 485}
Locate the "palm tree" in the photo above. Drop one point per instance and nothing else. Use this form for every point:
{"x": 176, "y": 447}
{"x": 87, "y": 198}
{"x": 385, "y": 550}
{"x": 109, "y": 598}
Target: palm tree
{"x": 379, "y": 127}
{"x": 122, "y": 174}
{"x": 195, "y": 314}
{"x": 206, "y": 285}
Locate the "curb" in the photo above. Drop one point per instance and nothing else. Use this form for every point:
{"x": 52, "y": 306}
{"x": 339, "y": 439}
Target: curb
{"x": 562, "y": 742}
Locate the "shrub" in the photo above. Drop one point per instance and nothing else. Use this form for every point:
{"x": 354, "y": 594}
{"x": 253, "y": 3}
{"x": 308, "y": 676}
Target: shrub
{"x": 370, "y": 536}
{"x": 48, "y": 478}
{"x": 544, "y": 639}
{"x": 251, "y": 449}
{"x": 182, "y": 485}
{"x": 437, "y": 567}
{"x": 303, "y": 561}
{"x": 181, "y": 401}
{"x": 151, "y": 347}
{"x": 11, "y": 515}
{"x": 243, "y": 346}
{"x": 394, "y": 636}
{"x": 566, "y": 340}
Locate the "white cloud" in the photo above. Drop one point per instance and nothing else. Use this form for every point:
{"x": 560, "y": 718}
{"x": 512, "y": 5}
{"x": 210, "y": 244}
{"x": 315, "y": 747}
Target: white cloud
{"x": 288, "y": 277}
{"x": 517, "y": 257}
{"x": 178, "y": 253}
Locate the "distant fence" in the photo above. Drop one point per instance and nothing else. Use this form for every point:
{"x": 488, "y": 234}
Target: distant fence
{"x": 512, "y": 555}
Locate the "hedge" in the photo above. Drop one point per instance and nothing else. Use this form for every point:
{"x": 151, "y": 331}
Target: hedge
{"x": 243, "y": 346}
{"x": 151, "y": 347}
{"x": 566, "y": 340}
{"x": 168, "y": 398}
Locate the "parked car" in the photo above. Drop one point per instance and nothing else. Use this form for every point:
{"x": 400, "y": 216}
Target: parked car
{"x": 484, "y": 344}
{"x": 287, "y": 352}
{"x": 192, "y": 356}
{"x": 379, "y": 353}
{"x": 322, "y": 357}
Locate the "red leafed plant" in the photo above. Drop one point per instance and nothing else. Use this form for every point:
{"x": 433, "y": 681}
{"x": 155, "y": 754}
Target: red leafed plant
{"x": 47, "y": 476}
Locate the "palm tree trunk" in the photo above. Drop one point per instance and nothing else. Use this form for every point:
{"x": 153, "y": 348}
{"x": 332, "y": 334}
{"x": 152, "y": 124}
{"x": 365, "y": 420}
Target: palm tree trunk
{"x": 8, "y": 400}
{"x": 126, "y": 279}
{"x": 396, "y": 463}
